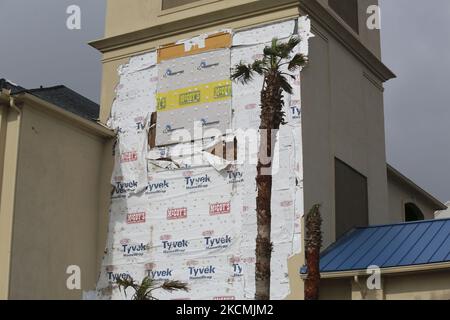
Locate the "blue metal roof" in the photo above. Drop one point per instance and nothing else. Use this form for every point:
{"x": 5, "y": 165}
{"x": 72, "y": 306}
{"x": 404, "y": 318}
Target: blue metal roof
{"x": 385, "y": 246}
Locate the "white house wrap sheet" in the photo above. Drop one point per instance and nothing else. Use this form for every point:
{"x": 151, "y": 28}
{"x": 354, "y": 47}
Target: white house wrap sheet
{"x": 177, "y": 211}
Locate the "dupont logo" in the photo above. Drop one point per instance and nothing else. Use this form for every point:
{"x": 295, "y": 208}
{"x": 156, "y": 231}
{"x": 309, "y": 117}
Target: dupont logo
{"x": 217, "y": 242}
{"x": 170, "y": 73}
{"x": 235, "y": 177}
{"x": 157, "y": 187}
{"x": 196, "y": 273}
{"x": 219, "y": 208}
{"x": 251, "y": 106}
{"x": 128, "y": 157}
{"x": 135, "y": 218}
{"x": 122, "y": 188}
{"x": 205, "y": 65}
{"x": 197, "y": 182}
{"x": 177, "y": 213}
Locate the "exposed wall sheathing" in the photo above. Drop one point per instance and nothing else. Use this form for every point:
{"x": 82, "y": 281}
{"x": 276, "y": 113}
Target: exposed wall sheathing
{"x": 178, "y": 211}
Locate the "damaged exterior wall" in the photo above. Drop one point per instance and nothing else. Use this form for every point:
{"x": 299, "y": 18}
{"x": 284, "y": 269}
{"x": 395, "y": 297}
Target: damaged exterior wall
{"x": 196, "y": 222}
{"x": 328, "y": 117}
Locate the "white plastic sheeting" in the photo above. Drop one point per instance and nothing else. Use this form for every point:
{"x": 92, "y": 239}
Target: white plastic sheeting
{"x": 180, "y": 213}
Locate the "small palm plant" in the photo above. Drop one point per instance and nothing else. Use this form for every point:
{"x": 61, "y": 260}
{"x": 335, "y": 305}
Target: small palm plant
{"x": 144, "y": 291}
{"x": 276, "y": 67}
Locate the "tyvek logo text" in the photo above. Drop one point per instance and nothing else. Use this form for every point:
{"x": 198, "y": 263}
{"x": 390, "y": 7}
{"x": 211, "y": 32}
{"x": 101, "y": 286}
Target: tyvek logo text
{"x": 201, "y": 272}
{"x": 197, "y": 182}
{"x": 165, "y": 274}
{"x": 217, "y": 242}
{"x": 175, "y": 246}
{"x": 134, "y": 250}
{"x": 157, "y": 187}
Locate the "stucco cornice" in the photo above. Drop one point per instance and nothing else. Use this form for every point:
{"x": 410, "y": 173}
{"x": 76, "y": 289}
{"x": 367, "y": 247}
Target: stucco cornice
{"x": 90, "y": 126}
{"x": 319, "y": 14}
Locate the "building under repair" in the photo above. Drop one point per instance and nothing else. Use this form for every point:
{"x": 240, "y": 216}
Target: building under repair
{"x": 175, "y": 188}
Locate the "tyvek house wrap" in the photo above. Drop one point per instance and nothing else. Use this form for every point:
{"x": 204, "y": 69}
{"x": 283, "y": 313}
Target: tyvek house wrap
{"x": 177, "y": 211}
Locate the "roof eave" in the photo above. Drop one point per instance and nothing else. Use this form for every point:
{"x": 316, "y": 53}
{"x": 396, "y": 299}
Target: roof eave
{"x": 385, "y": 271}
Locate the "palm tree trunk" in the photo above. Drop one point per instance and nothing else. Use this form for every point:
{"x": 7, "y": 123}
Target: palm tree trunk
{"x": 313, "y": 244}
{"x": 271, "y": 105}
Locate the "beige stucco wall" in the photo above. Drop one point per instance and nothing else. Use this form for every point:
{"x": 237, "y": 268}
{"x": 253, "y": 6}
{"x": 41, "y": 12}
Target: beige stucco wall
{"x": 343, "y": 117}
{"x": 400, "y": 193}
{"x": 56, "y": 217}
{"x": 141, "y": 14}
{"x": 429, "y": 285}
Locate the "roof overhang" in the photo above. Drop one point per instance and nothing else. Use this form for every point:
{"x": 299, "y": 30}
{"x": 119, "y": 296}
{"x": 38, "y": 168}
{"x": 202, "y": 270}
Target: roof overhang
{"x": 385, "y": 271}
{"x": 313, "y": 8}
{"x": 94, "y": 127}
{"x": 397, "y": 174}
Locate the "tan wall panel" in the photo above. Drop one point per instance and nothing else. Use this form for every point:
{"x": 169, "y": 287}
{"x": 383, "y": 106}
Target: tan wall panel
{"x": 56, "y": 214}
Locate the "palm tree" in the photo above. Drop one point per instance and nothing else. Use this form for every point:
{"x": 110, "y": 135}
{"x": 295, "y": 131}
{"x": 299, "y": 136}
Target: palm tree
{"x": 144, "y": 291}
{"x": 313, "y": 244}
{"x": 277, "y": 57}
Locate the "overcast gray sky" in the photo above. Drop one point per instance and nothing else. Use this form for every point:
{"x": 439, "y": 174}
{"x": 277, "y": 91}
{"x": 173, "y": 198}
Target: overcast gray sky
{"x": 37, "y": 49}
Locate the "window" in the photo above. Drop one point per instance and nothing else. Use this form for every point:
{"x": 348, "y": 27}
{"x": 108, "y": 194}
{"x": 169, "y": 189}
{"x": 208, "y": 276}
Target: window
{"x": 169, "y": 4}
{"x": 352, "y": 208}
{"x": 413, "y": 213}
{"x": 347, "y": 10}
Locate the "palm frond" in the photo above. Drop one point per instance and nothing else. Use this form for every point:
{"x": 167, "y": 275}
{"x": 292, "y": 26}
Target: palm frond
{"x": 299, "y": 60}
{"x": 259, "y": 66}
{"x": 284, "y": 83}
{"x": 242, "y": 73}
{"x": 287, "y": 47}
{"x": 171, "y": 286}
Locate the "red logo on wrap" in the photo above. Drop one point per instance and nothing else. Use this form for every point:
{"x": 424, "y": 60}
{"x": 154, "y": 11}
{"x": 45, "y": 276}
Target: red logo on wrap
{"x": 129, "y": 157}
{"x": 219, "y": 208}
{"x": 176, "y": 213}
{"x": 224, "y": 298}
{"x": 134, "y": 218}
